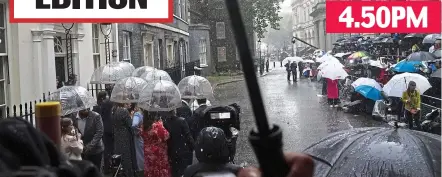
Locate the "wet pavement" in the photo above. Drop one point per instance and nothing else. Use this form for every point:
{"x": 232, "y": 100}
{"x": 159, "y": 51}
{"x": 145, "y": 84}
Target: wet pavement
{"x": 304, "y": 117}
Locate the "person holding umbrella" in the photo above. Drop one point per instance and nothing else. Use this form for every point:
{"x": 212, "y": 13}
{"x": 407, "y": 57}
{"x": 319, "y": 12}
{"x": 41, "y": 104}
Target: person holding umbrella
{"x": 412, "y": 101}
{"x": 287, "y": 68}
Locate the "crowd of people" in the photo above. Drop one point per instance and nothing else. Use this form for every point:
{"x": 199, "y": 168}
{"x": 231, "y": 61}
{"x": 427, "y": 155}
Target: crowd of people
{"x": 151, "y": 144}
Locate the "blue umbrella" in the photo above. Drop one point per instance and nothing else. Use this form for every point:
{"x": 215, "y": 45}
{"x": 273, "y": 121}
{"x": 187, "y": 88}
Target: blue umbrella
{"x": 369, "y": 92}
{"x": 407, "y": 66}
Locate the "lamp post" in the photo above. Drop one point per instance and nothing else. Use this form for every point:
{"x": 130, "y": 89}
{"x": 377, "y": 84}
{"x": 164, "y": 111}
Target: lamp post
{"x": 106, "y": 30}
{"x": 69, "y": 60}
{"x": 261, "y": 68}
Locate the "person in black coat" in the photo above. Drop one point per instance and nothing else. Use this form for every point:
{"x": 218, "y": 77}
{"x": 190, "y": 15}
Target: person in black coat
{"x": 293, "y": 68}
{"x": 301, "y": 67}
{"x": 287, "y": 68}
{"x": 104, "y": 108}
{"x": 180, "y": 144}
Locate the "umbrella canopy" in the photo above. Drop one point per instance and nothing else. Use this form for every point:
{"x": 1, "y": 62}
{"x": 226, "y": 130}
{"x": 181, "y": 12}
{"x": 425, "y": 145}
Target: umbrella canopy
{"x": 160, "y": 95}
{"x": 128, "y": 90}
{"x": 127, "y": 67}
{"x": 379, "y": 152}
{"x": 377, "y": 63}
{"x": 340, "y": 55}
{"x": 407, "y": 66}
{"x": 108, "y": 74}
{"x": 369, "y": 92}
{"x": 358, "y": 55}
{"x": 73, "y": 99}
{"x": 399, "y": 83}
{"x": 388, "y": 40}
{"x": 292, "y": 59}
{"x": 326, "y": 58}
{"x": 431, "y": 38}
{"x": 309, "y": 61}
{"x": 414, "y": 35}
{"x": 436, "y": 53}
{"x": 156, "y": 74}
{"x": 334, "y": 62}
{"x": 333, "y": 71}
{"x": 141, "y": 70}
{"x": 195, "y": 87}
{"x": 436, "y": 74}
{"x": 421, "y": 56}
{"x": 367, "y": 82}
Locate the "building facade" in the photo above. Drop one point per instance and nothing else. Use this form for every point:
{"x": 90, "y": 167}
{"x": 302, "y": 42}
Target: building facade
{"x": 33, "y": 56}
{"x": 224, "y": 52}
{"x": 199, "y": 39}
{"x": 303, "y": 24}
{"x": 163, "y": 46}
{"x": 324, "y": 41}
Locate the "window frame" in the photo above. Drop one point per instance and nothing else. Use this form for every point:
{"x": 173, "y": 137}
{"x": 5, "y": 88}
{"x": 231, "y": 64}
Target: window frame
{"x": 178, "y": 13}
{"x": 126, "y": 46}
{"x": 202, "y": 55}
{"x": 220, "y": 31}
{"x": 4, "y": 61}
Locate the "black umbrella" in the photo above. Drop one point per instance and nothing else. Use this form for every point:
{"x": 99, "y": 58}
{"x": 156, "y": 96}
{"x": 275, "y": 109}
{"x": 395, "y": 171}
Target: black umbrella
{"x": 388, "y": 40}
{"x": 414, "y": 35}
{"x": 436, "y": 53}
{"x": 431, "y": 38}
{"x": 375, "y": 151}
{"x": 421, "y": 56}
{"x": 385, "y": 35}
{"x": 437, "y": 73}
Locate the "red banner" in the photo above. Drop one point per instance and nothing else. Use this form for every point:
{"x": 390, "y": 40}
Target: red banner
{"x": 383, "y": 17}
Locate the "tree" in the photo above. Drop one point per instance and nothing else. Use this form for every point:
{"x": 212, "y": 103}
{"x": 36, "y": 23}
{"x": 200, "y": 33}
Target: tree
{"x": 263, "y": 13}
{"x": 280, "y": 38}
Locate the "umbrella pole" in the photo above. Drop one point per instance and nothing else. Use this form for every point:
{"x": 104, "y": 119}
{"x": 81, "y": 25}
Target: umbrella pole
{"x": 267, "y": 142}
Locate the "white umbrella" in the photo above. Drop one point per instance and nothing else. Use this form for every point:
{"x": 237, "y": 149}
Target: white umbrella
{"x": 326, "y": 58}
{"x": 367, "y": 82}
{"x": 399, "y": 83}
{"x": 333, "y": 71}
{"x": 330, "y": 62}
{"x": 309, "y": 61}
{"x": 340, "y": 55}
{"x": 377, "y": 63}
{"x": 292, "y": 59}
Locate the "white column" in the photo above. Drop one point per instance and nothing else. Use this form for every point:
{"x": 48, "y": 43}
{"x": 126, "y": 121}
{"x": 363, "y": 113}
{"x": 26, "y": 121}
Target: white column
{"x": 114, "y": 39}
{"x": 48, "y": 58}
{"x": 321, "y": 35}
{"x": 37, "y": 60}
{"x": 85, "y": 54}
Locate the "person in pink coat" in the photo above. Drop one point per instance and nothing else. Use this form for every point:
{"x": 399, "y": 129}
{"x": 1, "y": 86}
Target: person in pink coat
{"x": 332, "y": 92}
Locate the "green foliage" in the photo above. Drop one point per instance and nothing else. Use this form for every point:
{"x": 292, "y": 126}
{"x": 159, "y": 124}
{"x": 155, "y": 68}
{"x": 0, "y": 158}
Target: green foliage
{"x": 264, "y": 14}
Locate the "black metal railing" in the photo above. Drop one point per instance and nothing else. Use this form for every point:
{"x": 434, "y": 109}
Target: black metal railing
{"x": 25, "y": 110}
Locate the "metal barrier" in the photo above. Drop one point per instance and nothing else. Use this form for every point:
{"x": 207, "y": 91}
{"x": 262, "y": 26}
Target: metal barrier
{"x": 25, "y": 110}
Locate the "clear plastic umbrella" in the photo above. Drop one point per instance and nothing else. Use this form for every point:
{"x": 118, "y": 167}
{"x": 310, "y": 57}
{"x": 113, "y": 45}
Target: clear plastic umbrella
{"x": 141, "y": 70}
{"x": 73, "y": 99}
{"x": 128, "y": 68}
{"x": 195, "y": 87}
{"x": 156, "y": 74}
{"x": 399, "y": 83}
{"x": 160, "y": 95}
{"x": 108, "y": 74}
{"x": 128, "y": 90}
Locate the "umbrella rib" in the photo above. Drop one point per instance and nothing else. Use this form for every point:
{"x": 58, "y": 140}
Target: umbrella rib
{"x": 426, "y": 150}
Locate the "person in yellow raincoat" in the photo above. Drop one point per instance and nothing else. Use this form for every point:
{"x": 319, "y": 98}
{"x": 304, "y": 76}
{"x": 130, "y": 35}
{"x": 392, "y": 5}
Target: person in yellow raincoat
{"x": 412, "y": 103}
{"x": 415, "y": 48}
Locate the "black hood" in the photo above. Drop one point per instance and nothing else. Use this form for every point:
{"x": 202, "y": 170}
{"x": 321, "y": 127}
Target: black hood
{"x": 211, "y": 146}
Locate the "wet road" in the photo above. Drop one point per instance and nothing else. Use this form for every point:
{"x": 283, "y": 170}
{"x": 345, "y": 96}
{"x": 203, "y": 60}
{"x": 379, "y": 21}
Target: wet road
{"x": 304, "y": 117}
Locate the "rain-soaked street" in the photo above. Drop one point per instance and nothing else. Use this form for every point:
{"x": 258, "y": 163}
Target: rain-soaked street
{"x": 304, "y": 117}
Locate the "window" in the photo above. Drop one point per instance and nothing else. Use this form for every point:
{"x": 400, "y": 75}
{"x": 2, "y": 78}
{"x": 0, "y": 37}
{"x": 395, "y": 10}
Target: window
{"x": 203, "y": 52}
{"x": 58, "y": 45}
{"x": 220, "y": 30}
{"x": 178, "y": 10}
{"x": 4, "y": 66}
{"x": 221, "y": 54}
{"x": 96, "y": 45}
{"x": 126, "y": 46}
{"x": 183, "y": 9}
{"x": 169, "y": 53}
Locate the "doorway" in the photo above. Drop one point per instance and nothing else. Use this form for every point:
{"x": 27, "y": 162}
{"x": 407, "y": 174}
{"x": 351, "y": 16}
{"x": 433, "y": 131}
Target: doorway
{"x": 60, "y": 69}
{"x": 148, "y": 55}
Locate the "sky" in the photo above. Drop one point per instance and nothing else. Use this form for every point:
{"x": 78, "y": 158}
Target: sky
{"x": 285, "y": 7}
